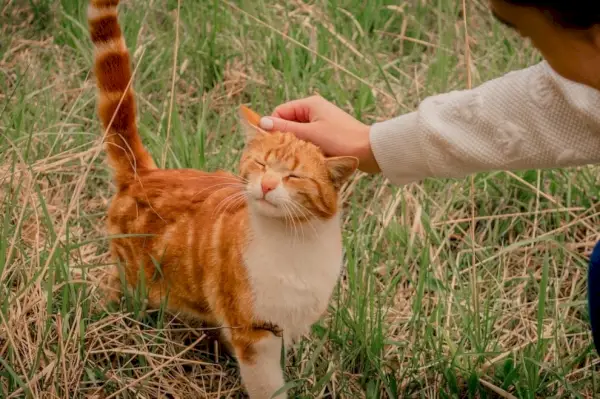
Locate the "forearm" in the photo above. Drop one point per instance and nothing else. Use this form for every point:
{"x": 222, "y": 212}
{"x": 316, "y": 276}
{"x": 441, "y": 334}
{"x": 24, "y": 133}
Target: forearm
{"x": 527, "y": 119}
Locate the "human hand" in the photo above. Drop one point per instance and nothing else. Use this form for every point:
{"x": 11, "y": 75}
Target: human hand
{"x": 317, "y": 120}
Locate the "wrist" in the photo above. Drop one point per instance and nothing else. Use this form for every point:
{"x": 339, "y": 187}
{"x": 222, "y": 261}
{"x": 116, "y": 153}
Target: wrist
{"x": 364, "y": 152}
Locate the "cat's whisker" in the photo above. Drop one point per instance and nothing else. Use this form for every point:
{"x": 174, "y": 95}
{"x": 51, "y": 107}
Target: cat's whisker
{"x": 302, "y": 230}
{"x": 312, "y": 215}
{"x": 227, "y": 200}
{"x": 235, "y": 202}
{"x": 307, "y": 219}
{"x": 299, "y": 208}
{"x": 288, "y": 214}
{"x": 233, "y": 198}
{"x": 285, "y": 216}
{"x": 242, "y": 197}
{"x": 226, "y": 185}
{"x": 224, "y": 201}
{"x": 304, "y": 210}
{"x": 296, "y": 226}
{"x": 232, "y": 178}
{"x": 298, "y": 223}
{"x": 223, "y": 186}
{"x": 215, "y": 176}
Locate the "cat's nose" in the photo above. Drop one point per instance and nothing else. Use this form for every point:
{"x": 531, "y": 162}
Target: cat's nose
{"x": 268, "y": 184}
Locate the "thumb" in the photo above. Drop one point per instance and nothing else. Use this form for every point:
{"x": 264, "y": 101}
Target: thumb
{"x": 272, "y": 124}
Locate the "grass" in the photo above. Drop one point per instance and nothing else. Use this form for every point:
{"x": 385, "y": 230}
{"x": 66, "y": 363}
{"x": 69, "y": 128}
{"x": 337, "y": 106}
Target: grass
{"x": 449, "y": 290}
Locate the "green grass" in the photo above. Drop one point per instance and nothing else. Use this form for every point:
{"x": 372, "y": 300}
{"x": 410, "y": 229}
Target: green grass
{"x": 427, "y": 306}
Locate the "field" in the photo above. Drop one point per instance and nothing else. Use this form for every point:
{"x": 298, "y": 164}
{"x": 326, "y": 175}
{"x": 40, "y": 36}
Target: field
{"x": 452, "y": 288}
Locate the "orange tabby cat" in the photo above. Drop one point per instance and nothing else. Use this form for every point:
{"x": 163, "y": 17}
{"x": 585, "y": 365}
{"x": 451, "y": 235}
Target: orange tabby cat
{"x": 258, "y": 254}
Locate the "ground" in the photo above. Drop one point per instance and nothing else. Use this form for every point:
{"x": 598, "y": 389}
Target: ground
{"x": 453, "y": 288}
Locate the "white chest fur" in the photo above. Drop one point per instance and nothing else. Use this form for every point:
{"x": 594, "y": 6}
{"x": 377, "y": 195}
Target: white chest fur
{"x": 293, "y": 272}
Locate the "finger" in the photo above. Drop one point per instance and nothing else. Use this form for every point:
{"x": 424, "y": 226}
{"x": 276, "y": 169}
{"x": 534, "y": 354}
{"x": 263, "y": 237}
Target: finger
{"x": 301, "y": 130}
{"x": 293, "y": 111}
{"x": 301, "y": 110}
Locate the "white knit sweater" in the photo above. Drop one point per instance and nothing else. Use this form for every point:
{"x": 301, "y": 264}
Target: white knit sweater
{"x": 528, "y": 119}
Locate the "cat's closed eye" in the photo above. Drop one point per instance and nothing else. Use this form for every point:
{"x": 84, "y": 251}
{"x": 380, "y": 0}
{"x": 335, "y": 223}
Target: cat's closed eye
{"x": 261, "y": 164}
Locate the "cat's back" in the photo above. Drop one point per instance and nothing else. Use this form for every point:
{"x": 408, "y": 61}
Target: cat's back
{"x": 169, "y": 195}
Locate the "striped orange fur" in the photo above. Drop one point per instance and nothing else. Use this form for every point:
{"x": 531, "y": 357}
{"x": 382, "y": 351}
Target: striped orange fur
{"x": 257, "y": 254}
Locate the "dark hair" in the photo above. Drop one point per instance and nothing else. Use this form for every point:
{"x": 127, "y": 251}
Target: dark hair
{"x": 571, "y": 14}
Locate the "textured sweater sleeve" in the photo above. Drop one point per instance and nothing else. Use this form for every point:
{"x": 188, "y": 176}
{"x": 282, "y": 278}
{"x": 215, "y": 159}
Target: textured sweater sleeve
{"x": 528, "y": 119}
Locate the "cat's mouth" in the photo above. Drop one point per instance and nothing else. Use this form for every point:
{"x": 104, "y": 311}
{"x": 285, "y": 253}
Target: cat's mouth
{"x": 265, "y": 202}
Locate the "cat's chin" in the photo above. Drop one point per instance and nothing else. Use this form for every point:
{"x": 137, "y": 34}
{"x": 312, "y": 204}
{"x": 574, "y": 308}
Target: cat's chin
{"x": 266, "y": 208}
{"x": 266, "y": 203}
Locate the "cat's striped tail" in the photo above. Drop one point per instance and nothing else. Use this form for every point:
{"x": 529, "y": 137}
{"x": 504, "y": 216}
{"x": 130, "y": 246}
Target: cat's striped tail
{"x": 116, "y": 101}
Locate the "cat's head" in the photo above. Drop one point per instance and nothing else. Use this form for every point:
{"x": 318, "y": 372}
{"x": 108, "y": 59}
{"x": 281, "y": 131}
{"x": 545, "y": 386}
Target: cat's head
{"x": 289, "y": 177}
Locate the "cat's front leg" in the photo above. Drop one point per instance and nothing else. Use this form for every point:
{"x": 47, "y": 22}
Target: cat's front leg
{"x": 259, "y": 358}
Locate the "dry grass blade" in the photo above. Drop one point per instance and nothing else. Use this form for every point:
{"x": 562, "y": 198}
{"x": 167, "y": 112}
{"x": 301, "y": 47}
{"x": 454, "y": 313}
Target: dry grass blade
{"x": 173, "y": 79}
{"x": 157, "y": 369}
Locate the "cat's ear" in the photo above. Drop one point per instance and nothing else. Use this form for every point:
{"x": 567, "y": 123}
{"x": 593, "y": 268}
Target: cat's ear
{"x": 341, "y": 168}
{"x": 249, "y": 121}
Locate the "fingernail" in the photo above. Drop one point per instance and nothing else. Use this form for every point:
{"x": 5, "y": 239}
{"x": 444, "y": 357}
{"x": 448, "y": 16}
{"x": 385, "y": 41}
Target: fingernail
{"x": 266, "y": 123}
